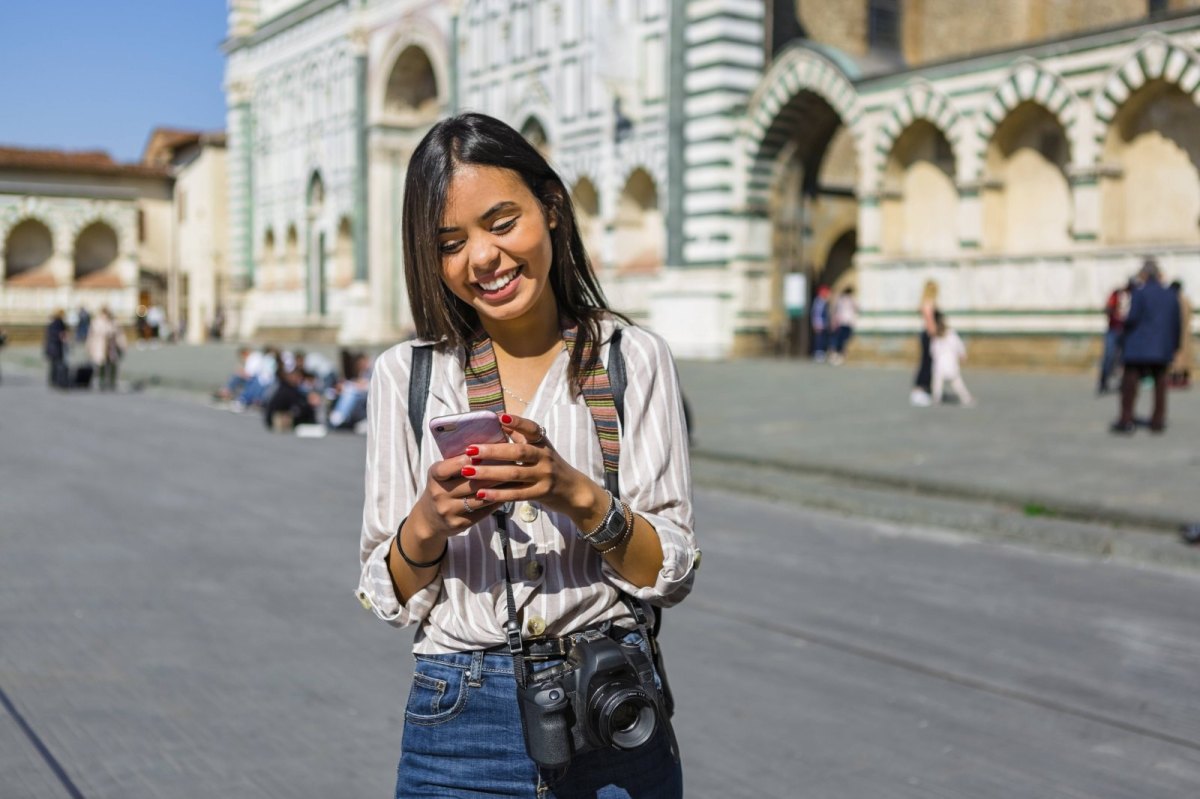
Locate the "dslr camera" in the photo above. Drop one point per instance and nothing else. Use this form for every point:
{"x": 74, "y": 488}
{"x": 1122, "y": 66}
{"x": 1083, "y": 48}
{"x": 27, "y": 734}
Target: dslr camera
{"x": 602, "y": 695}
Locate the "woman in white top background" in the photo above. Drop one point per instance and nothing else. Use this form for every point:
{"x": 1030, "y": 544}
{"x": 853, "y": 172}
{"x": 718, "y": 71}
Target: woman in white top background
{"x": 501, "y": 287}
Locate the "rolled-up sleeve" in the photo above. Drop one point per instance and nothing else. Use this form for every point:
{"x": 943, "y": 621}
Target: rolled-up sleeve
{"x": 391, "y": 487}
{"x": 656, "y": 476}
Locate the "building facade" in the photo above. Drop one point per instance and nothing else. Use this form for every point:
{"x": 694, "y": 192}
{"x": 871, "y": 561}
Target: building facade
{"x": 722, "y": 153}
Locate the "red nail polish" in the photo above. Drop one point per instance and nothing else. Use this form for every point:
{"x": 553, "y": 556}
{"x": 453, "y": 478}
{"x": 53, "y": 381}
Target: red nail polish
{"x": 467, "y": 471}
{"x": 480, "y": 495}
{"x": 476, "y": 461}
{"x": 472, "y": 450}
{"x": 504, "y": 417}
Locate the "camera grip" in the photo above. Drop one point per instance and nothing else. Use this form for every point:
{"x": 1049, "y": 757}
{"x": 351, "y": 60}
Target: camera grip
{"x": 547, "y": 733}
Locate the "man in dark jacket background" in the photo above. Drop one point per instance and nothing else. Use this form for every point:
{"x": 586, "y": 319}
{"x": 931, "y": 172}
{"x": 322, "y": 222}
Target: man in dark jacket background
{"x": 55, "y": 349}
{"x": 1150, "y": 340}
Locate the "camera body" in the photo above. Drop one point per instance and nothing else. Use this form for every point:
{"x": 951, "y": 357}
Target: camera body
{"x": 602, "y": 695}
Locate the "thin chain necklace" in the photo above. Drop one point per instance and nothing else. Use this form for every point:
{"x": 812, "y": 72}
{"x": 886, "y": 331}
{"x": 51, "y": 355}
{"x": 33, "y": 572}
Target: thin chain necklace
{"x": 517, "y": 396}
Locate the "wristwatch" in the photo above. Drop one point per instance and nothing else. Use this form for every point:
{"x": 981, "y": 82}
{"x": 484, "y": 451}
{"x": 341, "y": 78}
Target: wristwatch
{"x": 610, "y": 528}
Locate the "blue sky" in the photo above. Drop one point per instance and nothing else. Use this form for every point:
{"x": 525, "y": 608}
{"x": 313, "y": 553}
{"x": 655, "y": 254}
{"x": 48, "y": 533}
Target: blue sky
{"x": 101, "y": 74}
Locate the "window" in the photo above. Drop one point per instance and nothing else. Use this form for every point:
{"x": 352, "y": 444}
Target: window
{"x": 883, "y": 24}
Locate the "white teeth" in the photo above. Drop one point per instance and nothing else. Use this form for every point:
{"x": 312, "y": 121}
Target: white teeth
{"x": 499, "y": 282}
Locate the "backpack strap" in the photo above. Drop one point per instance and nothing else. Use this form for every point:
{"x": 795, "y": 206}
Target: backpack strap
{"x": 418, "y": 389}
{"x": 616, "y": 383}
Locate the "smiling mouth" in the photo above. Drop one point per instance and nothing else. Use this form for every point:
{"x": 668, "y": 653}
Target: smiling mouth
{"x": 500, "y": 281}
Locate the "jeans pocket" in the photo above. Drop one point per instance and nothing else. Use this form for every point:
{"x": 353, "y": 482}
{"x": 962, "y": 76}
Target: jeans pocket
{"x": 438, "y": 694}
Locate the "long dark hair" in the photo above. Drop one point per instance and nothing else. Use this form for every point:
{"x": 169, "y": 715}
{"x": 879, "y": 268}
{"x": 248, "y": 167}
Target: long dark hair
{"x": 482, "y": 140}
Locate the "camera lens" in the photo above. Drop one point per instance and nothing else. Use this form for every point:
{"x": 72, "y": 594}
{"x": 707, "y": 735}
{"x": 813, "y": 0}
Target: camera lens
{"x": 624, "y": 717}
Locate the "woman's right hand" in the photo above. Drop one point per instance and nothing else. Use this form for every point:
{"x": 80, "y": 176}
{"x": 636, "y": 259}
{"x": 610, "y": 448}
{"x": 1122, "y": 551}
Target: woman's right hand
{"x": 442, "y": 509}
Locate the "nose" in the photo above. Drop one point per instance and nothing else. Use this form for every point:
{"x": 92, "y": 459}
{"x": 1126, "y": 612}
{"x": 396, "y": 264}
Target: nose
{"x": 483, "y": 254}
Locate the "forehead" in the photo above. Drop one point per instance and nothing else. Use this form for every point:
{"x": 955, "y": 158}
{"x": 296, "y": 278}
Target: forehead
{"x": 475, "y": 189}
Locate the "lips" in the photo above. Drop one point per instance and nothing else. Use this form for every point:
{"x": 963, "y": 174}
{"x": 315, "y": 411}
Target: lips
{"x": 500, "y": 287}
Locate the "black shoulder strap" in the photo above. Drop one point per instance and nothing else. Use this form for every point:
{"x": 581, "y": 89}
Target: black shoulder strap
{"x": 418, "y": 390}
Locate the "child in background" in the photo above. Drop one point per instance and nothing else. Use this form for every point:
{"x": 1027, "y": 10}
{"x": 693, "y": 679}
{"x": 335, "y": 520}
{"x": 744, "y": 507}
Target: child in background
{"x": 948, "y": 352}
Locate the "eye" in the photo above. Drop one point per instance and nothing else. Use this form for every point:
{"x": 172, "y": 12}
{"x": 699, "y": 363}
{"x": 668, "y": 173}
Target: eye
{"x": 505, "y": 226}
{"x": 450, "y": 247}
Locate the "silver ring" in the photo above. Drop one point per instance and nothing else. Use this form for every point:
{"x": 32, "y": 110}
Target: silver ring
{"x": 518, "y": 463}
{"x": 541, "y": 436}
{"x": 467, "y": 505}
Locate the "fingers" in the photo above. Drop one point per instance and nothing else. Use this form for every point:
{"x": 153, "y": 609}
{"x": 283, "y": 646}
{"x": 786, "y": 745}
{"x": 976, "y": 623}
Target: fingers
{"x": 509, "y": 453}
{"x": 527, "y": 431}
{"x": 449, "y": 469}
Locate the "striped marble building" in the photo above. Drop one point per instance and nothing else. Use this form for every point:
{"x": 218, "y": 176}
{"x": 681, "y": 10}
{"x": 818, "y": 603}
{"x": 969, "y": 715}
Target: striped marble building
{"x": 1023, "y": 155}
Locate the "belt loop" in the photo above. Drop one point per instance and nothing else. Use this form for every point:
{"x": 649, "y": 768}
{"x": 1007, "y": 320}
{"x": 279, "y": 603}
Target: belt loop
{"x": 475, "y": 678}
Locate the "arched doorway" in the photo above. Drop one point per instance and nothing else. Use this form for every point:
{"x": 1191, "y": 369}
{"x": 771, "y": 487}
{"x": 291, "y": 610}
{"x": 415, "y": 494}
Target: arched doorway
{"x": 1026, "y": 195}
{"x": 95, "y": 255}
{"x": 640, "y": 232}
{"x": 27, "y": 253}
{"x": 919, "y": 202}
{"x": 343, "y": 254}
{"x": 265, "y": 275}
{"x": 812, "y": 203}
{"x": 411, "y": 97}
{"x": 535, "y": 133}
{"x": 1150, "y": 192}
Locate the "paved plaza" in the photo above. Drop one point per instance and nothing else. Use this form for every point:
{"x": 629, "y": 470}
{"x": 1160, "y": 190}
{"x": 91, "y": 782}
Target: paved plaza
{"x": 178, "y": 620}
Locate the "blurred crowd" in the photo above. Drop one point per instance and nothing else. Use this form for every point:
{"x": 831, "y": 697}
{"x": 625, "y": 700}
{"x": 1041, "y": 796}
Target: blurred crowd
{"x": 82, "y": 349}
{"x": 300, "y": 391}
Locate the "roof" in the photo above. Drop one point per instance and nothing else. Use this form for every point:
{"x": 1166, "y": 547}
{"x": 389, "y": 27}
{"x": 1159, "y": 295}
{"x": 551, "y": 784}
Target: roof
{"x": 89, "y": 162}
{"x": 165, "y": 143}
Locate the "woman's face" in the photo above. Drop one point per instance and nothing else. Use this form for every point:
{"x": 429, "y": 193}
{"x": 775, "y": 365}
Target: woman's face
{"x": 495, "y": 245}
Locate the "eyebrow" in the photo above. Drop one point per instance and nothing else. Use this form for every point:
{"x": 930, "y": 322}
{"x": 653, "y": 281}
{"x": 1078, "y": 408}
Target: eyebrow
{"x": 503, "y": 205}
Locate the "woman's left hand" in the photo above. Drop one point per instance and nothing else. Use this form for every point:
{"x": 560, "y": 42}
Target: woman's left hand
{"x": 527, "y": 468}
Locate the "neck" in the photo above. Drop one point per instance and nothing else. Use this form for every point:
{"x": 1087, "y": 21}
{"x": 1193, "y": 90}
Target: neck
{"x": 534, "y": 334}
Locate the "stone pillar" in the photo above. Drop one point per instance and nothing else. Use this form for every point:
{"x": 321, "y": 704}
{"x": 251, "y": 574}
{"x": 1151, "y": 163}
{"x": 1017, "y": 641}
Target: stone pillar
{"x": 870, "y": 225}
{"x": 1085, "y": 196}
{"x": 970, "y": 217}
{"x": 355, "y": 322}
{"x": 240, "y": 161}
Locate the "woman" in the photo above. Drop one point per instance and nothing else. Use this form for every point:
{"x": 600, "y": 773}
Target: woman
{"x": 923, "y": 382}
{"x": 499, "y": 283}
{"x": 106, "y": 346}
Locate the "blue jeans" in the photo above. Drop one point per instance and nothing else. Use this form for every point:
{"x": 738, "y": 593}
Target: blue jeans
{"x": 841, "y": 337}
{"x": 463, "y": 740}
{"x": 1108, "y": 363}
{"x": 820, "y": 341}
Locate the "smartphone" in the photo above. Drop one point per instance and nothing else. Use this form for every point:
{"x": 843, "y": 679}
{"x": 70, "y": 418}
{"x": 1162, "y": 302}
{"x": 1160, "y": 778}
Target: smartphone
{"x": 454, "y": 433}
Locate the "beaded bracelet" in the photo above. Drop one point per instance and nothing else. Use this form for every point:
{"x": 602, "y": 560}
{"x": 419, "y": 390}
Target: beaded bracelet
{"x": 625, "y": 534}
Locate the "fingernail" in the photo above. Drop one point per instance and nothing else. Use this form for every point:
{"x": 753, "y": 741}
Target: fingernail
{"x": 504, "y": 417}
{"x": 476, "y": 461}
{"x": 472, "y": 450}
{"x": 467, "y": 471}
{"x": 480, "y": 495}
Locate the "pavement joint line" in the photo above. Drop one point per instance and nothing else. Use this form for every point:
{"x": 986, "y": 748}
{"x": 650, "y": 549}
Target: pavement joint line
{"x": 1049, "y": 507}
{"x": 47, "y": 756}
{"x": 916, "y": 667}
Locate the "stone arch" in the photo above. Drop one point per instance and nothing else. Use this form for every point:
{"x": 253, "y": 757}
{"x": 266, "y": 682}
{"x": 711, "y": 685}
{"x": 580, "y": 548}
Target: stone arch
{"x": 1156, "y": 58}
{"x": 640, "y": 241}
{"x": 536, "y": 134}
{"x": 1031, "y": 82}
{"x": 919, "y": 198}
{"x": 1027, "y": 203}
{"x": 266, "y": 273}
{"x": 293, "y": 269}
{"x": 28, "y": 251}
{"x": 798, "y": 73}
{"x": 921, "y": 101}
{"x": 95, "y": 254}
{"x": 586, "y": 199}
{"x": 408, "y": 87}
{"x": 343, "y": 253}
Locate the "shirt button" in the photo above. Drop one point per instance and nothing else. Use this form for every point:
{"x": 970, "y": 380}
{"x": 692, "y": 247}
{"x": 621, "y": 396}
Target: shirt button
{"x": 536, "y": 626}
{"x": 533, "y": 570}
{"x": 529, "y": 513}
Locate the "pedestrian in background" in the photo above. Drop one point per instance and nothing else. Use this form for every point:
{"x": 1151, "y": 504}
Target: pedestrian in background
{"x": 83, "y": 323}
{"x": 106, "y": 346}
{"x": 922, "y": 383}
{"x": 1150, "y": 342}
{"x": 1115, "y": 311}
{"x": 820, "y": 324}
{"x": 54, "y": 347}
{"x": 844, "y": 318}
{"x": 947, "y": 352}
{"x": 1181, "y": 368}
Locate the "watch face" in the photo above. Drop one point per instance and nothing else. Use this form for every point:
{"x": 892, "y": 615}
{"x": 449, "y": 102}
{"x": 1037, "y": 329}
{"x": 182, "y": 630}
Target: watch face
{"x": 615, "y": 523}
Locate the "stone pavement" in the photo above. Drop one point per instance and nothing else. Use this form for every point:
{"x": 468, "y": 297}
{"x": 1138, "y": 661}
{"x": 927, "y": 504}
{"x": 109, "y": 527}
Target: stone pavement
{"x": 1036, "y": 444}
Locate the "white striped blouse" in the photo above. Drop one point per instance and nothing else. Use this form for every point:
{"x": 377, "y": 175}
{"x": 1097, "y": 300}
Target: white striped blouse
{"x": 558, "y": 579}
